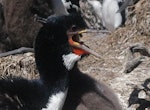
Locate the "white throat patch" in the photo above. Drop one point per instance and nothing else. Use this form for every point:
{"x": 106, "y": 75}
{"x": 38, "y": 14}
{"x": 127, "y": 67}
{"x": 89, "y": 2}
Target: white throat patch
{"x": 70, "y": 59}
{"x": 56, "y": 101}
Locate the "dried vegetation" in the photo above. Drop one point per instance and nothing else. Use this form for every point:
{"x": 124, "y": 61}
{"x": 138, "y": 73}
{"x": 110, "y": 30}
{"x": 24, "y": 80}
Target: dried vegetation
{"x": 113, "y": 49}
{"x": 22, "y": 65}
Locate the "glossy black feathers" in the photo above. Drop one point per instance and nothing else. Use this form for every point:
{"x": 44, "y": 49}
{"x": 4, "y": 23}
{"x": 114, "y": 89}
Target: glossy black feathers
{"x": 50, "y": 44}
{"x": 21, "y": 94}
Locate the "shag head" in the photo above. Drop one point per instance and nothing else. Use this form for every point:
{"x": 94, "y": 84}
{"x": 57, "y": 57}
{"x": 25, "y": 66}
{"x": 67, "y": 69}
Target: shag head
{"x": 75, "y": 26}
{"x": 52, "y": 42}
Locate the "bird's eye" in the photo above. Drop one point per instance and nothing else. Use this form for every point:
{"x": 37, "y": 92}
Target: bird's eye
{"x": 74, "y": 28}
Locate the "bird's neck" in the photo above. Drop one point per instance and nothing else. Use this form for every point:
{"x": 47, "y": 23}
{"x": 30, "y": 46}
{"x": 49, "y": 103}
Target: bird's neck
{"x": 54, "y": 76}
{"x": 50, "y": 66}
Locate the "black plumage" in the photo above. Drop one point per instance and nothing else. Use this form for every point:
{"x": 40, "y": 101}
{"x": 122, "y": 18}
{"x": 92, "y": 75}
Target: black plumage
{"x": 21, "y": 94}
{"x": 50, "y": 44}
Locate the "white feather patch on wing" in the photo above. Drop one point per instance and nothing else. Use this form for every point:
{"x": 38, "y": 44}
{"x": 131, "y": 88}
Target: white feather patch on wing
{"x": 70, "y": 59}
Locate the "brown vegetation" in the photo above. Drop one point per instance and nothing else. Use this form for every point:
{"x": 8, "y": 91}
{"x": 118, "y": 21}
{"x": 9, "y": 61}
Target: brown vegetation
{"x": 112, "y": 47}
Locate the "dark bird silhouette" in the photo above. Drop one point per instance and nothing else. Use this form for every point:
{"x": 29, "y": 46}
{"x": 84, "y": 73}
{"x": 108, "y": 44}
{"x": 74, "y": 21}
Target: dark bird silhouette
{"x": 61, "y": 85}
{"x": 51, "y": 53}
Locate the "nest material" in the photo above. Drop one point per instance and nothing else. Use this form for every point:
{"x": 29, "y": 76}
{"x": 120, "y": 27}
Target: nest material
{"x": 139, "y": 18}
{"x": 136, "y": 30}
{"x": 22, "y": 65}
{"x": 137, "y": 24}
{"x": 113, "y": 47}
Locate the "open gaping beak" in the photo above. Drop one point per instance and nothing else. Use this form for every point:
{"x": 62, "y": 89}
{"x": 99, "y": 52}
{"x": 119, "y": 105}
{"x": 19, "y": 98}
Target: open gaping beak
{"x": 78, "y": 47}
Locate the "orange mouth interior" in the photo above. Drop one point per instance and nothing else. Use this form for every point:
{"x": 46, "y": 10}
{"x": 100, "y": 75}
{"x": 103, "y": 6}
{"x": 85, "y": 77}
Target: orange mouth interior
{"x": 74, "y": 41}
{"x": 79, "y": 47}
